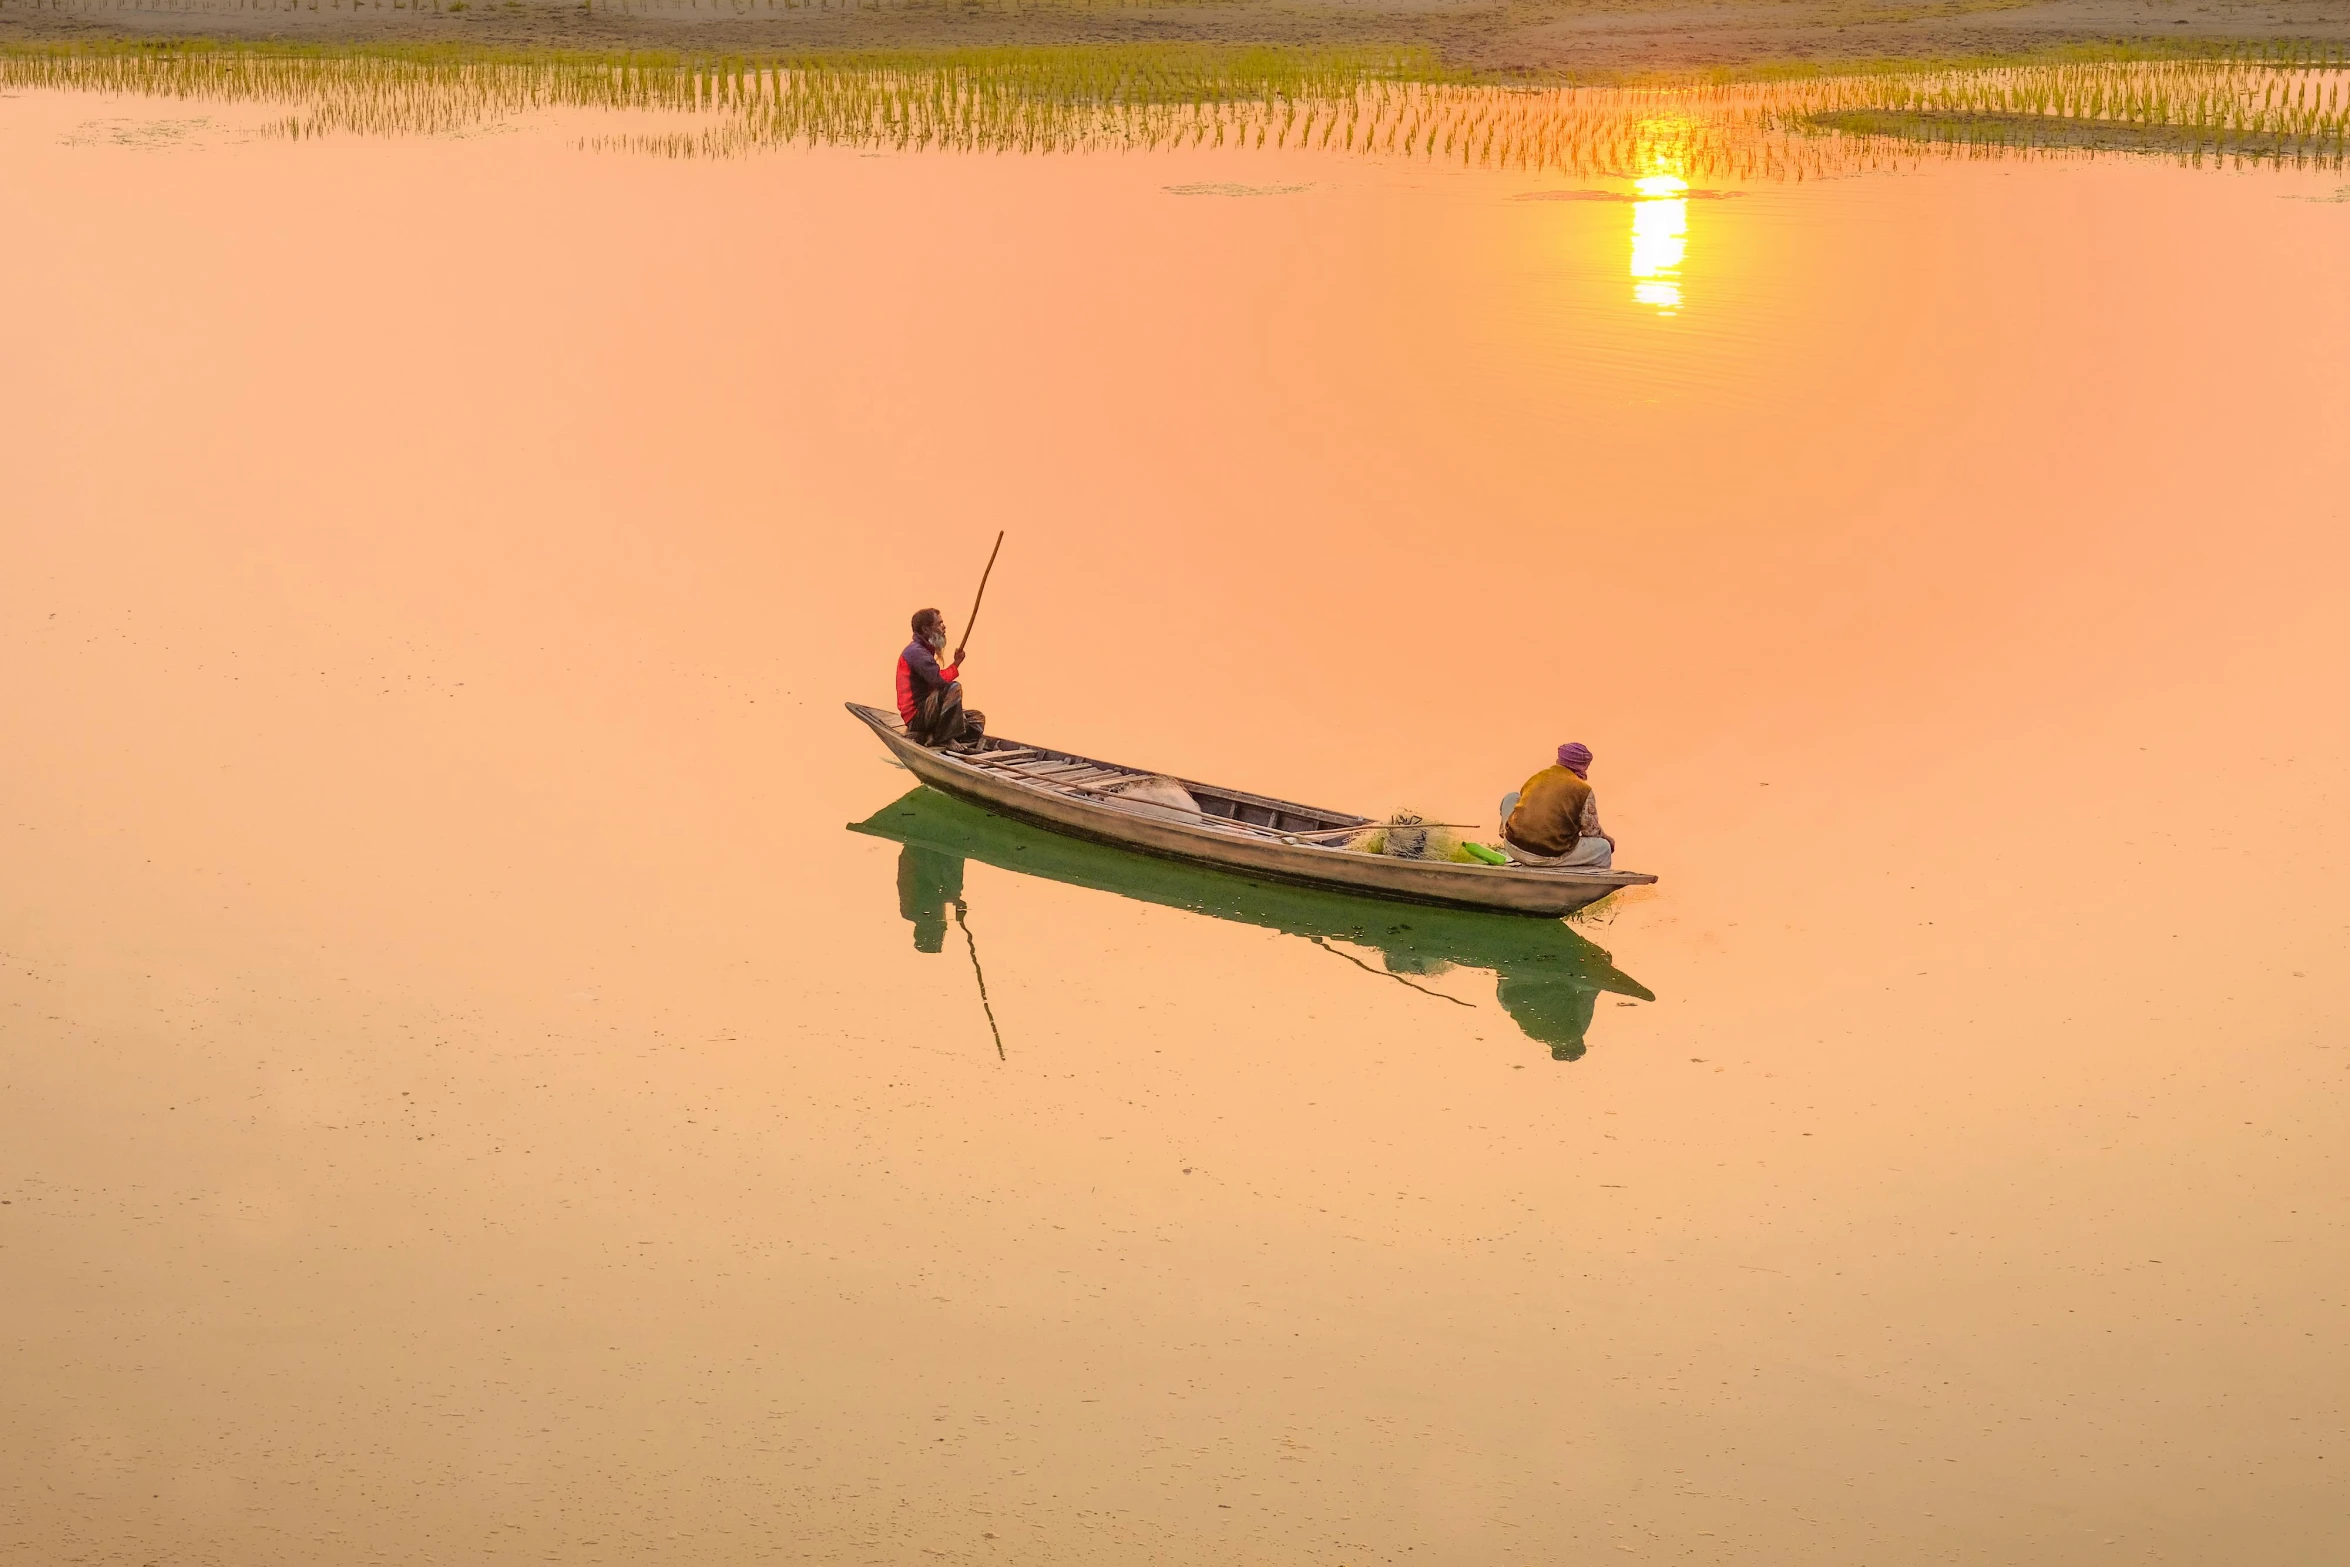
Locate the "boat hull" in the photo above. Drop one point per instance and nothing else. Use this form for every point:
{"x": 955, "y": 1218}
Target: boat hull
{"x": 1513, "y": 889}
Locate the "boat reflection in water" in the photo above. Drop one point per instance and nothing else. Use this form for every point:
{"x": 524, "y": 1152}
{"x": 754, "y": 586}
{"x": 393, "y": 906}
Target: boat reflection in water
{"x": 1548, "y": 978}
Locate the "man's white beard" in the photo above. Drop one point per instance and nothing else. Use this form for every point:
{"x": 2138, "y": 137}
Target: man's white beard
{"x": 935, "y": 640}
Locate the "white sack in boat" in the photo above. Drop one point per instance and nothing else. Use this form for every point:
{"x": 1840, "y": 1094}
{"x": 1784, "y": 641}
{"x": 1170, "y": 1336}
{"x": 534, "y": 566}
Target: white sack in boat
{"x": 1160, "y": 791}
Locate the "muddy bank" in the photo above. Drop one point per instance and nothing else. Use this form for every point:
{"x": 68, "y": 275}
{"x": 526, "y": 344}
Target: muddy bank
{"x": 1590, "y": 38}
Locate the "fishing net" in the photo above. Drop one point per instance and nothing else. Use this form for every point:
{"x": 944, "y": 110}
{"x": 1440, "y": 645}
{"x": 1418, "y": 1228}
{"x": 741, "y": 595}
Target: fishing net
{"x": 1407, "y": 835}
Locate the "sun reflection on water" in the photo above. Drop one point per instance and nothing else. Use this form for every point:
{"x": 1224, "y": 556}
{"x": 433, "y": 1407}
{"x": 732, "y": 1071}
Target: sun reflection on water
{"x": 1660, "y": 239}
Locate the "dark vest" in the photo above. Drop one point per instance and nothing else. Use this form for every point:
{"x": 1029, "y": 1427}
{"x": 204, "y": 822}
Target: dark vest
{"x": 1549, "y": 817}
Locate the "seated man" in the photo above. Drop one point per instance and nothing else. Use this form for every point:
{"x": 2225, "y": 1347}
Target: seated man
{"x": 930, "y": 699}
{"x": 1554, "y": 820}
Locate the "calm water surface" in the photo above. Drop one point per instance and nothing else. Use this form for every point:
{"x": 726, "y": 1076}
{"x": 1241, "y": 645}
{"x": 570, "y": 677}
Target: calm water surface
{"x": 493, "y": 1061}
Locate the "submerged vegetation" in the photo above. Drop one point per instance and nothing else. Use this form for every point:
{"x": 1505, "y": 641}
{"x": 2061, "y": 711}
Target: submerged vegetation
{"x": 2288, "y": 106}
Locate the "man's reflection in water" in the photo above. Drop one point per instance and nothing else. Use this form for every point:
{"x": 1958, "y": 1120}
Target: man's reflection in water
{"x": 1551, "y": 1004}
{"x": 929, "y": 883}
{"x": 1547, "y": 978}
{"x": 1551, "y": 1012}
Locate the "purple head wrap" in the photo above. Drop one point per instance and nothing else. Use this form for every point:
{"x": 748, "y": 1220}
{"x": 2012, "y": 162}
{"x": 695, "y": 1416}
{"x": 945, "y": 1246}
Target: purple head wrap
{"x": 1575, "y": 757}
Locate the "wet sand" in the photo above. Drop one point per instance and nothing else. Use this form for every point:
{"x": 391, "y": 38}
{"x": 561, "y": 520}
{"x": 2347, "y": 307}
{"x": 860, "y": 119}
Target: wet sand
{"x": 1627, "y": 36}
{"x": 466, "y": 1095}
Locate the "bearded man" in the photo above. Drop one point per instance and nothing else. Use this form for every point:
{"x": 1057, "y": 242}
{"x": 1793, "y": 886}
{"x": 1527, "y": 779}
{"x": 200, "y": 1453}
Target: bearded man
{"x": 930, "y": 698}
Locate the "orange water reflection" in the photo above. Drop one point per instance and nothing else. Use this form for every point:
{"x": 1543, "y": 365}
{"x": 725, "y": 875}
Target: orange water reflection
{"x": 455, "y": 1055}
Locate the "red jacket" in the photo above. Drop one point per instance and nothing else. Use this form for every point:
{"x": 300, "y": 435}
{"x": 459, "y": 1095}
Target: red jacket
{"x": 918, "y": 676}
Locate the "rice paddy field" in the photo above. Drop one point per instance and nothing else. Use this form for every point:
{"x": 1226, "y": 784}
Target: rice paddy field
{"x": 496, "y": 1065}
{"x": 2292, "y": 106}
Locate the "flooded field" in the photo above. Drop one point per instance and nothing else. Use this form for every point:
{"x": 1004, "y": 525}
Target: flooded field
{"x": 498, "y": 1065}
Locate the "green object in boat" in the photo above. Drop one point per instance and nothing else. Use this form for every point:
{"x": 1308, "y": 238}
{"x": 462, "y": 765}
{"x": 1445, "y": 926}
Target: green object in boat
{"x": 1488, "y": 856}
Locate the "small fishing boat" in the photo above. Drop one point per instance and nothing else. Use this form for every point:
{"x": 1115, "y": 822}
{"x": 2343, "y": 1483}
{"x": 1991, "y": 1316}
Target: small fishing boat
{"x": 1207, "y": 824}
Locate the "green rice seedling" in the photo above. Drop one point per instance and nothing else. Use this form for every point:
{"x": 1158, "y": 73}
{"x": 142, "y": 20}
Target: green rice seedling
{"x": 1384, "y": 103}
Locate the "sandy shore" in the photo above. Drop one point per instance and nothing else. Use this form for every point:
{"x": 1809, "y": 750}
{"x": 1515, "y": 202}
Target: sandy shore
{"x": 1626, "y": 35}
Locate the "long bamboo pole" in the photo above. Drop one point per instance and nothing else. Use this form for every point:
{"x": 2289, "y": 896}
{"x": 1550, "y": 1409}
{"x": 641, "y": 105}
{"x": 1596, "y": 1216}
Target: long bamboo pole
{"x": 984, "y": 1004}
{"x": 980, "y": 597}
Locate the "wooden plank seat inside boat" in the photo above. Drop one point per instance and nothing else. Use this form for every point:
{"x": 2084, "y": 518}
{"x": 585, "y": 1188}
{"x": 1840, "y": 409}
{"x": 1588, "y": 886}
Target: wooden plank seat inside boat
{"x": 1063, "y": 771}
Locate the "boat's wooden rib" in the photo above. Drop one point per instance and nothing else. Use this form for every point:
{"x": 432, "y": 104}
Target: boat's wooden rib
{"x": 1040, "y": 767}
{"x": 1068, "y": 777}
{"x": 1251, "y": 834}
{"x": 1071, "y": 773}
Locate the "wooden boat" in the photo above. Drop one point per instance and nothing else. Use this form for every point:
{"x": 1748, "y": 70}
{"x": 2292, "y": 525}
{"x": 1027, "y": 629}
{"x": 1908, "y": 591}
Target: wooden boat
{"x": 1250, "y": 833}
